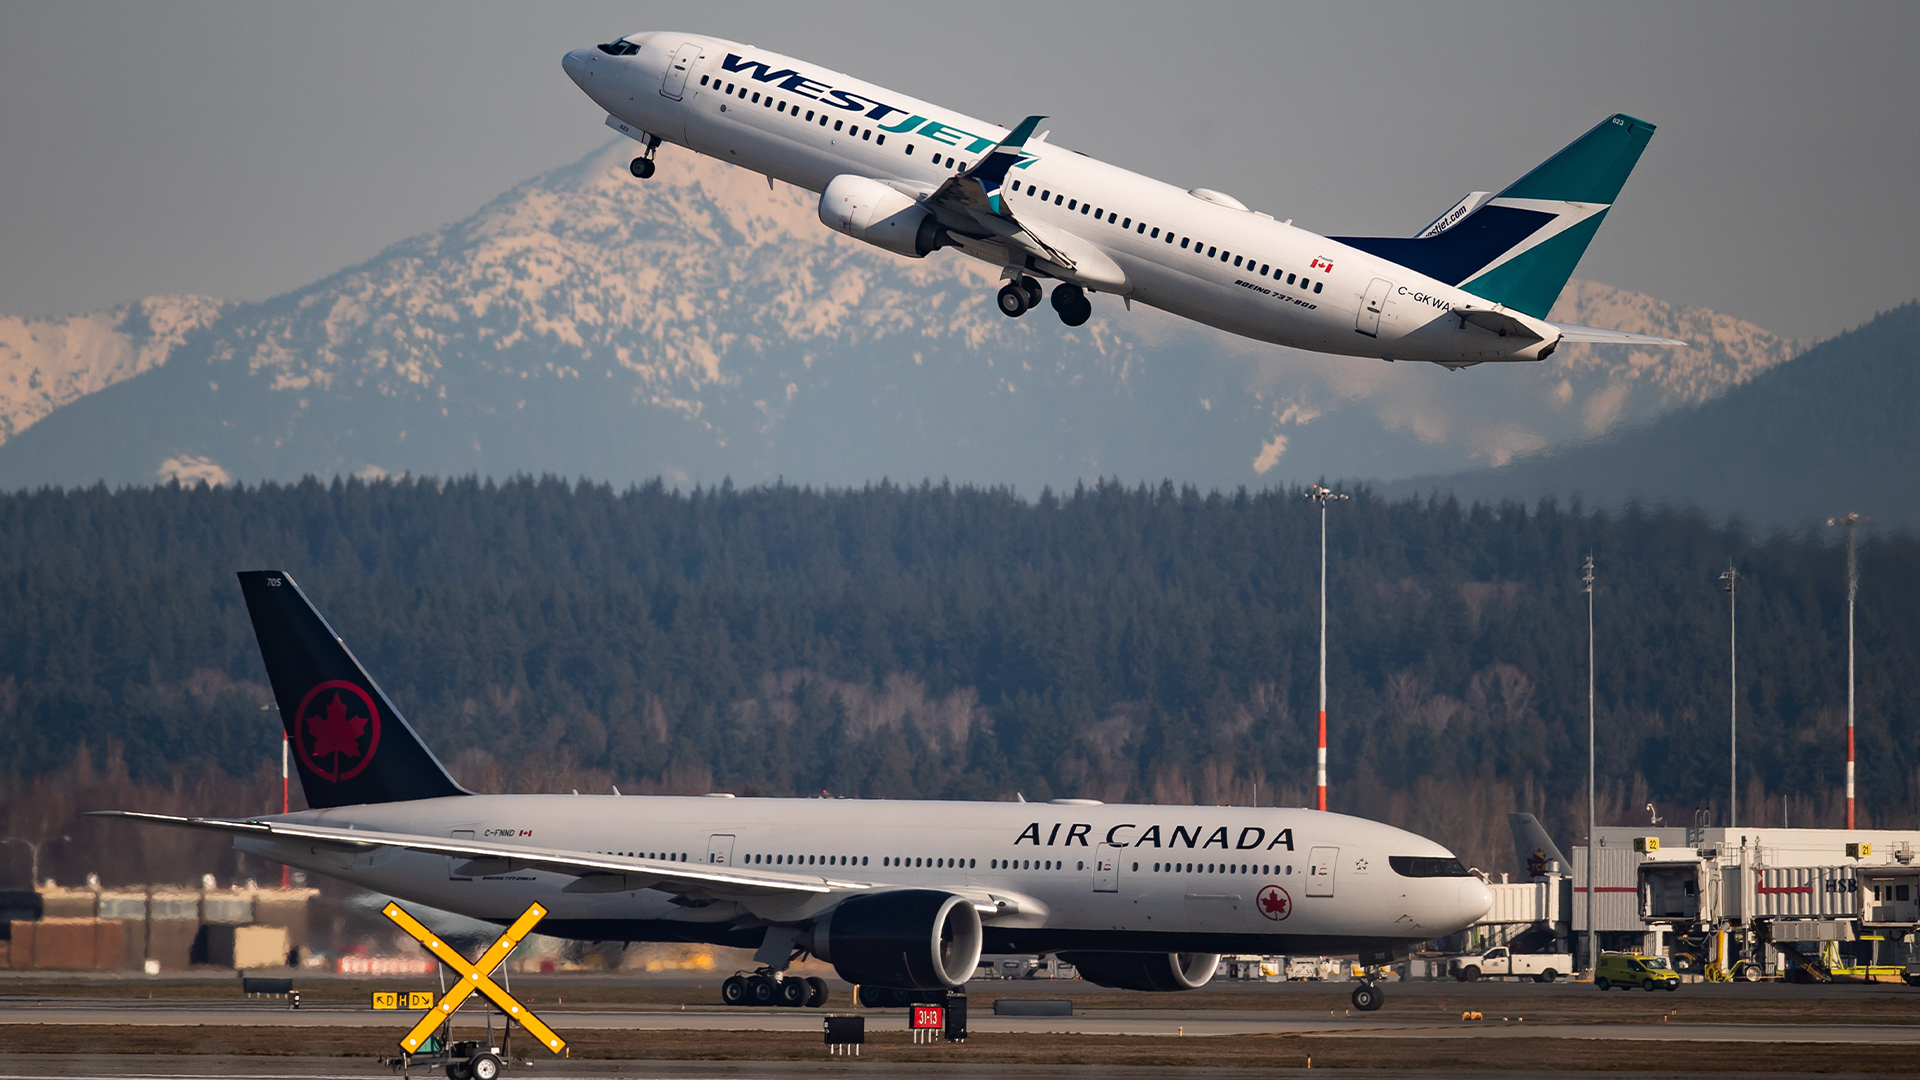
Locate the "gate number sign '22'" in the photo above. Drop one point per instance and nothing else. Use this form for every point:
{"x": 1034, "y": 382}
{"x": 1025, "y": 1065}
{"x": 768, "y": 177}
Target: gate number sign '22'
{"x": 337, "y": 730}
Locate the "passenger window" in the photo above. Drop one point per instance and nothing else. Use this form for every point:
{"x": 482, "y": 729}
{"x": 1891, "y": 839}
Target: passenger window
{"x": 1084, "y": 208}
{"x": 1155, "y": 235}
{"x": 1317, "y": 284}
{"x": 838, "y": 124}
{"x": 909, "y": 149}
{"x": 729, "y": 88}
{"x": 1127, "y": 224}
{"x": 1071, "y": 203}
{"x": 1101, "y": 214}
{"x": 1058, "y": 199}
{"x": 1289, "y": 279}
{"x": 1045, "y": 195}
{"x": 1211, "y": 252}
{"x": 782, "y": 107}
{"x": 963, "y": 166}
{"x": 1263, "y": 273}
{"x": 703, "y": 80}
{"x": 1143, "y": 228}
{"x": 866, "y": 135}
{"x": 1183, "y": 243}
{"x": 1236, "y": 260}
{"x": 809, "y": 114}
{"x": 823, "y": 119}
{"x": 756, "y": 97}
{"x": 881, "y": 141}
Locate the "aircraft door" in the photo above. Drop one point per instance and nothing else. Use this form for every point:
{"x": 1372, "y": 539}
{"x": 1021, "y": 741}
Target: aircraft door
{"x": 454, "y": 861}
{"x": 720, "y": 849}
{"x": 1320, "y": 871}
{"x": 1371, "y": 306}
{"x": 1106, "y": 868}
{"x": 675, "y": 83}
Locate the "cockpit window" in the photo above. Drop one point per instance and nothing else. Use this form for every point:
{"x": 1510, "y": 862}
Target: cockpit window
{"x": 1426, "y": 866}
{"x": 619, "y": 47}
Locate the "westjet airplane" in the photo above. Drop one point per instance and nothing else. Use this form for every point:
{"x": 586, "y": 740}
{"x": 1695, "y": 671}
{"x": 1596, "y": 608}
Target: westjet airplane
{"x": 912, "y": 178}
{"x": 900, "y": 897}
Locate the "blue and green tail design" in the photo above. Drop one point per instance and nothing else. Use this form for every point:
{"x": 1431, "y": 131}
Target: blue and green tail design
{"x": 1519, "y": 247}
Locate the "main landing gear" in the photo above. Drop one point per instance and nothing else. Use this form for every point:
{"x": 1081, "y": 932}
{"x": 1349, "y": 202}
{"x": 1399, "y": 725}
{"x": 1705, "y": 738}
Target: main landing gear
{"x": 1072, "y": 304}
{"x": 774, "y": 988}
{"x": 1016, "y": 298}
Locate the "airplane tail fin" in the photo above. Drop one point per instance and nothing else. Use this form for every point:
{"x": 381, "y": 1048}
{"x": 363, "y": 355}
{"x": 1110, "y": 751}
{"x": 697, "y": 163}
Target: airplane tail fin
{"x": 350, "y": 744}
{"x": 1532, "y": 847}
{"x": 1519, "y": 247}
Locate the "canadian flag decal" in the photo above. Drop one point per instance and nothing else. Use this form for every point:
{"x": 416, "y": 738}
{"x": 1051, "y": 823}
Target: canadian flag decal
{"x": 1322, "y": 264}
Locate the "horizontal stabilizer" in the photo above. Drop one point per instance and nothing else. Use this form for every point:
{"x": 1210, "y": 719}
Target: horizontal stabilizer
{"x": 1569, "y": 332}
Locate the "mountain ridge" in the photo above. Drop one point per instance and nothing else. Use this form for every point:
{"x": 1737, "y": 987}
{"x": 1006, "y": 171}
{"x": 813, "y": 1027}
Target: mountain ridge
{"x": 705, "y": 325}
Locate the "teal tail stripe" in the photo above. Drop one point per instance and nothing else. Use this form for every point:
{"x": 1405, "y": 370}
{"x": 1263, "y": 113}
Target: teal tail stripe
{"x": 1593, "y": 169}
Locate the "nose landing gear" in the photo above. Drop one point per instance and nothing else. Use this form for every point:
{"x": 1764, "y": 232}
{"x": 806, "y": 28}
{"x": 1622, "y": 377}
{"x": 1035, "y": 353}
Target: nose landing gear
{"x": 641, "y": 167}
{"x": 1368, "y": 997}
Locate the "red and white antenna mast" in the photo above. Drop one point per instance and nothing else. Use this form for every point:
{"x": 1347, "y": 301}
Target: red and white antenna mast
{"x": 1323, "y": 496}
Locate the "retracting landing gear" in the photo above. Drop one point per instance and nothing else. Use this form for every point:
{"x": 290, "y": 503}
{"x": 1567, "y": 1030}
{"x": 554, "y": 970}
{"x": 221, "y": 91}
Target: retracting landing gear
{"x": 1016, "y": 298}
{"x": 1072, "y": 304}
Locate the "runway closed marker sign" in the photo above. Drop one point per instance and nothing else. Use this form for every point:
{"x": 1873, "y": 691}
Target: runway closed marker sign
{"x": 474, "y": 978}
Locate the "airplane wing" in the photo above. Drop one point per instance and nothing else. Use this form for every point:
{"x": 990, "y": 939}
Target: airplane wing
{"x": 1569, "y": 332}
{"x": 593, "y": 872}
{"x": 970, "y": 203}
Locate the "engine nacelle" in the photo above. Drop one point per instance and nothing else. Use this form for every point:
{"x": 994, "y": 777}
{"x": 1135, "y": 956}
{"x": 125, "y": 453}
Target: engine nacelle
{"x": 1145, "y": 971}
{"x": 866, "y": 209}
{"x": 913, "y": 939}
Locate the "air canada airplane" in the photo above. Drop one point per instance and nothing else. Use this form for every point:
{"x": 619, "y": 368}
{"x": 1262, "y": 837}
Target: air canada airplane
{"x": 912, "y": 178}
{"x": 900, "y": 897}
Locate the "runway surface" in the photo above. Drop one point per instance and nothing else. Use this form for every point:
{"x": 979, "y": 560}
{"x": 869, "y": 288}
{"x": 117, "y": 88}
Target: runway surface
{"x": 1191, "y": 1023}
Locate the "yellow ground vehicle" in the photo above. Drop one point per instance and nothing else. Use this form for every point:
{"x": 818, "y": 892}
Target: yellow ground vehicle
{"x": 1628, "y": 970}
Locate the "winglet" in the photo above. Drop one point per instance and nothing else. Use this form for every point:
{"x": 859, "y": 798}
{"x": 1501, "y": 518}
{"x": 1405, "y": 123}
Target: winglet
{"x": 1021, "y": 133}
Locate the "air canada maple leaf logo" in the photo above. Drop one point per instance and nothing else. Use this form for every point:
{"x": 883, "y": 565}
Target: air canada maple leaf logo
{"x": 336, "y": 730}
{"x": 1274, "y": 903}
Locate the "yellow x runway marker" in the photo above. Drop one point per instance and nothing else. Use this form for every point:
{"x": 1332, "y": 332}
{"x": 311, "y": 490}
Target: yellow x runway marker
{"x": 474, "y": 977}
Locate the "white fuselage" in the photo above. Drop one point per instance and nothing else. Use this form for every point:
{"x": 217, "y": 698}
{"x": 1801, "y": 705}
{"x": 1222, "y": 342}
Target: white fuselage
{"x": 1082, "y": 875}
{"x": 1228, "y": 267}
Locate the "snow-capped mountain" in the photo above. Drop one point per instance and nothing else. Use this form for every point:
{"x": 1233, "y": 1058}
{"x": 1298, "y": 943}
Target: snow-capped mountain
{"x": 704, "y": 324}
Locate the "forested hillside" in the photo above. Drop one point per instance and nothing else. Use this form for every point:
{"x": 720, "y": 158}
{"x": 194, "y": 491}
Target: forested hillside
{"x": 1114, "y": 643}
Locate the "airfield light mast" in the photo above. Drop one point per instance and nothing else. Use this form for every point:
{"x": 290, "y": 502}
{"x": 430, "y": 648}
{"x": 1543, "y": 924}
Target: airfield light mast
{"x": 1732, "y": 578}
{"x": 1586, "y": 586}
{"x": 1850, "y": 522}
{"x": 286, "y": 872}
{"x": 1323, "y": 496}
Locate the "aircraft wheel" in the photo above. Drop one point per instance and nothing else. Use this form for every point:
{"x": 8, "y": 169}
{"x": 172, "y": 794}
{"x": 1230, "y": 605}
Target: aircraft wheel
{"x": 1013, "y": 300}
{"x": 816, "y": 992}
{"x": 1368, "y": 998}
{"x": 1034, "y": 294}
{"x": 641, "y": 167}
{"x": 733, "y": 991}
{"x": 792, "y": 992}
{"x": 760, "y": 990}
{"x": 1072, "y": 304}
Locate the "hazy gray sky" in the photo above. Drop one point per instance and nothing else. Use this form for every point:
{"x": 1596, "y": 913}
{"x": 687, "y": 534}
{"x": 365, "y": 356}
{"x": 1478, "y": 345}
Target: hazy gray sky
{"x": 243, "y": 149}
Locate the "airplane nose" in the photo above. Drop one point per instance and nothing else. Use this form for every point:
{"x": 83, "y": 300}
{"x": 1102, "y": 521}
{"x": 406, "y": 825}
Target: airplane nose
{"x": 1475, "y": 900}
{"x": 574, "y": 64}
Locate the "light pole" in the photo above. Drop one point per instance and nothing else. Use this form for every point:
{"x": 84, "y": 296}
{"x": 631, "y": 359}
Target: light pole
{"x": 33, "y": 849}
{"x": 1586, "y": 586}
{"x": 1732, "y": 587}
{"x": 1323, "y": 496}
{"x": 1850, "y": 521}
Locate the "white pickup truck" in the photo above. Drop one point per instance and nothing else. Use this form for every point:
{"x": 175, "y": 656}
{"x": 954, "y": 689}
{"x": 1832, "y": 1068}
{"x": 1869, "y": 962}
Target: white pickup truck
{"x": 1502, "y": 963}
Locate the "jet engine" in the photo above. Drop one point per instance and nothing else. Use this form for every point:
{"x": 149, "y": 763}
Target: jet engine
{"x": 1145, "y": 971}
{"x": 912, "y": 939}
{"x": 869, "y": 210}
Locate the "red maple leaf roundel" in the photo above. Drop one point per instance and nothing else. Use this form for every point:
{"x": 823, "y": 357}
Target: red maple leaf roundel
{"x": 1275, "y": 904}
{"x": 336, "y": 730}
